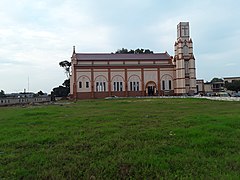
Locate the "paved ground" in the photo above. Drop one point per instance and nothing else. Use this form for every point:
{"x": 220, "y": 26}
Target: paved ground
{"x": 197, "y": 96}
{"x": 222, "y": 98}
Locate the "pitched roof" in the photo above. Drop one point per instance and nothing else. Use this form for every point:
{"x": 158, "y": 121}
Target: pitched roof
{"x": 109, "y": 56}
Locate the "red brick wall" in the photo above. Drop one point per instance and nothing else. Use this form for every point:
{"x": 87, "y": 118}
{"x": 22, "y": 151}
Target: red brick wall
{"x": 134, "y": 93}
{"x": 100, "y": 94}
{"x": 84, "y": 95}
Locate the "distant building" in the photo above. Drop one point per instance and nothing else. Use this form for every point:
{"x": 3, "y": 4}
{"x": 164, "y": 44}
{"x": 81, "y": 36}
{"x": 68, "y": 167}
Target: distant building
{"x": 231, "y": 79}
{"x": 200, "y": 86}
{"x": 99, "y": 75}
{"x": 208, "y": 88}
{"x": 216, "y": 87}
{"x": 21, "y": 95}
{"x": 213, "y": 87}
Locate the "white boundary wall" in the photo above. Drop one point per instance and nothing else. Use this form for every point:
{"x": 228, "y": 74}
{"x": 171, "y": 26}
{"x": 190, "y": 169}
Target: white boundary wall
{"x": 15, "y": 101}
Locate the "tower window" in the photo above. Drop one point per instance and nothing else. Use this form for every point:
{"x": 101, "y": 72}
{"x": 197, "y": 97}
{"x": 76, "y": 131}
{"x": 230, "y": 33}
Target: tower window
{"x": 185, "y": 50}
{"x": 186, "y": 68}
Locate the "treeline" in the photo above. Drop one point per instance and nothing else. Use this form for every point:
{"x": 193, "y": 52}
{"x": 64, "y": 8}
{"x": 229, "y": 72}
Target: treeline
{"x": 233, "y": 86}
{"x": 131, "y": 51}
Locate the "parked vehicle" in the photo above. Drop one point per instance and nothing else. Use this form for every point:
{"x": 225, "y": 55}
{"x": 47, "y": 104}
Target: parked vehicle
{"x": 236, "y": 95}
{"x": 222, "y": 94}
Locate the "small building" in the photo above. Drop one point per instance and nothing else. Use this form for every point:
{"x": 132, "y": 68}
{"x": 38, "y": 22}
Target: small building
{"x": 218, "y": 86}
{"x": 208, "y": 88}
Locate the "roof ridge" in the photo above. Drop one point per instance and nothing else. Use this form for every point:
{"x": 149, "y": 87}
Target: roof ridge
{"x": 122, "y": 53}
{"x": 110, "y": 56}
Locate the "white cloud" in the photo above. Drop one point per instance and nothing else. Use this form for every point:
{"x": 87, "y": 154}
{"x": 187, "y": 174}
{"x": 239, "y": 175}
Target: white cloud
{"x": 36, "y": 35}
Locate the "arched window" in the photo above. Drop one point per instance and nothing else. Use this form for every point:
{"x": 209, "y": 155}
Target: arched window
{"x": 84, "y": 83}
{"x": 101, "y": 84}
{"x": 117, "y": 83}
{"x": 167, "y": 82}
{"x": 134, "y": 83}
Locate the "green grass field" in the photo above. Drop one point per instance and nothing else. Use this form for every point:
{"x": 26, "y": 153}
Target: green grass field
{"x": 121, "y": 139}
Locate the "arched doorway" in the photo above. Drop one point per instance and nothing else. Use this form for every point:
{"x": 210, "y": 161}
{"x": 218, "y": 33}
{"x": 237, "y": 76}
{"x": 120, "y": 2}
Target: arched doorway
{"x": 151, "y": 89}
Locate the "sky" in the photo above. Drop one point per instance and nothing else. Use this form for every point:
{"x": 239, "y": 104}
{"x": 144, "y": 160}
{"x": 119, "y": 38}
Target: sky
{"x": 36, "y": 35}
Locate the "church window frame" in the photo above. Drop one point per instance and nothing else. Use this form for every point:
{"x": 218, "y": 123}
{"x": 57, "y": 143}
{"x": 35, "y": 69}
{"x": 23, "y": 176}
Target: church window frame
{"x": 131, "y": 86}
{"x": 118, "y": 86}
{"x": 117, "y": 83}
{"x": 137, "y": 86}
{"x": 121, "y": 86}
{"x": 163, "y": 85}
{"x": 97, "y": 86}
{"x": 87, "y": 84}
{"x": 104, "y": 86}
{"x": 114, "y": 86}
{"x": 170, "y": 85}
{"x": 134, "y": 85}
{"x": 100, "y": 86}
{"x": 168, "y": 82}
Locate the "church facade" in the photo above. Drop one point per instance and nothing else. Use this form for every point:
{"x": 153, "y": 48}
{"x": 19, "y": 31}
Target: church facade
{"x": 99, "y": 75}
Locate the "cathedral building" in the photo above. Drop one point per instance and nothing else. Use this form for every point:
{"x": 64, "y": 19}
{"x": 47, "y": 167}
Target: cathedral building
{"x": 100, "y": 75}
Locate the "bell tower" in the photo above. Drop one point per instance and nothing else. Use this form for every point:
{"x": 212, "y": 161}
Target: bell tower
{"x": 184, "y": 61}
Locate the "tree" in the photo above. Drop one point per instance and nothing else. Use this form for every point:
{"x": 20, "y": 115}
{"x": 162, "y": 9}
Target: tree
{"x": 216, "y": 80}
{"x": 147, "y": 51}
{"x": 66, "y": 83}
{"x": 233, "y": 86}
{"x": 139, "y": 51}
{"x": 122, "y": 51}
{"x": 136, "y": 51}
{"x": 40, "y": 93}
{"x": 131, "y": 51}
{"x": 2, "y": 93}
{"x": 66, "y": 65}
{"x": 61, "y": 91}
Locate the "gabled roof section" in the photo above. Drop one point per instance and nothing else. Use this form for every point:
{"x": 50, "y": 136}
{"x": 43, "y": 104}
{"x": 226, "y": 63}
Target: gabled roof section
{"x": 112, "y": 57}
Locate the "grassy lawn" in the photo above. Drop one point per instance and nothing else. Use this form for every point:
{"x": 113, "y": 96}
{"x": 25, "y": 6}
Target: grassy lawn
{"x": 121, "y": 139}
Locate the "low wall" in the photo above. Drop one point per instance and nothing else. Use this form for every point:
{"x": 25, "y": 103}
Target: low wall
{"x": 15, "y": 101}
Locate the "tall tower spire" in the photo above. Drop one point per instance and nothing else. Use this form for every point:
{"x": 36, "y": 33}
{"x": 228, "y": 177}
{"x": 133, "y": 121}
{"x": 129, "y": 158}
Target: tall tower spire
{"x": 185, "y": 61}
